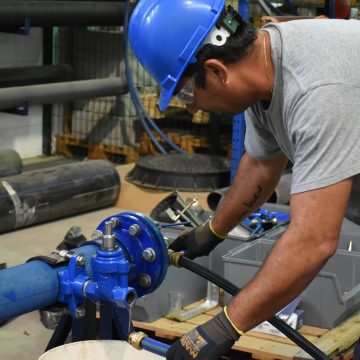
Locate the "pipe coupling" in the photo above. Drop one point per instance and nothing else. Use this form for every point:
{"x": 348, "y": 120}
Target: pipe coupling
{"x": 174, "y": 257}
{"x": 136, "y": 338}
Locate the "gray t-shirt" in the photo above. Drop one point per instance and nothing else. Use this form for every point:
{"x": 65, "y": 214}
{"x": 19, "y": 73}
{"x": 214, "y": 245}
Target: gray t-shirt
{"x": 314, "y": 114}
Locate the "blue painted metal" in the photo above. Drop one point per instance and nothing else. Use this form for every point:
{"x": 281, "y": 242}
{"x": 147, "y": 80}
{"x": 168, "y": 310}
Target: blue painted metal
{"x": 71, "y": 281}
{"x": 263, "y": 220}
{"x": 149, "y": 236}
{"x": 117, "y": 273}
{"x": 108, "y": 275}
{"x": 238, "y": 133}
{"x": 238, "y": 136}
{"x": 33, "y": 285}
{"x": 154, "y": 346}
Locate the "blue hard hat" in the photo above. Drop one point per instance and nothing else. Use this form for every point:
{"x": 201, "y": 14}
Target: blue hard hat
{"x": 165, "y": 36}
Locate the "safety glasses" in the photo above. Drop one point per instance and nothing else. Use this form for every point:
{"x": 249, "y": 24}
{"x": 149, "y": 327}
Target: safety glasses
{"x": 186, "y": 94}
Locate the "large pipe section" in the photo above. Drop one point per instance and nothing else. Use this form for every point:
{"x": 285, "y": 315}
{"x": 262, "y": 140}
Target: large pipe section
{"x": 55, "y": 192}
{"x": 34, "y": 285}
{"x": 61, "y": 13}
{"x": 31, "y": 75}
{"x": 61, "y": 92}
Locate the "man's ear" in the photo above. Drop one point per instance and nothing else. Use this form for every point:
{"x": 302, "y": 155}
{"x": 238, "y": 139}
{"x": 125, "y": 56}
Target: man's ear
{"x": 216, "y": 69}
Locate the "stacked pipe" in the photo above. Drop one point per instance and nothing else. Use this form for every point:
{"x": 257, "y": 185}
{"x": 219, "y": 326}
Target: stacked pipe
{"x": 60, "y": 13}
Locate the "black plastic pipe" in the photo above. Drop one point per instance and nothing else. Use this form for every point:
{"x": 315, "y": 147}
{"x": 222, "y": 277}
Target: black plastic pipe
{"x": 30, "y": 75}
{"x": 232, "y": 289}
{"x": 10, "y": 163}
{"x": 41, "y": 195}
{"x": 60, "y": 13}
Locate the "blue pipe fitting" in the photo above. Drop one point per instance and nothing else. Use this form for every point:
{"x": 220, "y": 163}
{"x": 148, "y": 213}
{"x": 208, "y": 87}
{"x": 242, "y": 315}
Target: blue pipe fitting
{"x": 110, "y": 283}
{"x": 130, "y": 262}
{"x": 144, "y": 248}
{"x": 72, "y": 280}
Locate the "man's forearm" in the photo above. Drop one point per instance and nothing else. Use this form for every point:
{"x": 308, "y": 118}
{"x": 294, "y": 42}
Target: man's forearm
{"x": 296, "y": 257}
{"x": 253, "y": 184}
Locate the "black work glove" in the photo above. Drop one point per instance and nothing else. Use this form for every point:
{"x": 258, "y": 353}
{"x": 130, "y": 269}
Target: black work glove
{"x": 197, "y": 242}
{"x": 209, "y": 341}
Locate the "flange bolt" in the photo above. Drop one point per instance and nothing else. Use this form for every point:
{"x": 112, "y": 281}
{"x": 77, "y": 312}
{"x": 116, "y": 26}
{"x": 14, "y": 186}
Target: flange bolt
{"x": 134, "y": 230}
{"x": 149, "y": 255}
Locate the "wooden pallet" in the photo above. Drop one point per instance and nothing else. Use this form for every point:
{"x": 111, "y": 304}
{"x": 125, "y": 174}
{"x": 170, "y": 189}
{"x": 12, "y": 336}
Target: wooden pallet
{"x": 71, "y": 146}
{"x": 337, "y": 342}
{"x": 150, "y": 103}
{"x": 192, "y": 144}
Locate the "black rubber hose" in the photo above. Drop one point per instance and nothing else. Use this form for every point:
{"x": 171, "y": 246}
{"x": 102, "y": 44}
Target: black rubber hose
{"x": 60, "y": 13}
{"x": 232, "y": 289}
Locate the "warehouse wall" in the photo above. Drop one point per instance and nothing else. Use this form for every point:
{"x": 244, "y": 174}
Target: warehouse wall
{"x": 21, "y": 133}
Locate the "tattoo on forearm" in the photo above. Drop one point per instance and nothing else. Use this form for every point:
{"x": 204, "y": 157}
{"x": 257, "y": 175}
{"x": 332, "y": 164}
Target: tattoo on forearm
{"x": 255, "y": 197}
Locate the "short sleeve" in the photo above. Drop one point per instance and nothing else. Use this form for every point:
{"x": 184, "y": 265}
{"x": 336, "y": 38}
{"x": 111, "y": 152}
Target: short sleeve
{"x": 324, "y": 130}
{"x": 260, "y": 143}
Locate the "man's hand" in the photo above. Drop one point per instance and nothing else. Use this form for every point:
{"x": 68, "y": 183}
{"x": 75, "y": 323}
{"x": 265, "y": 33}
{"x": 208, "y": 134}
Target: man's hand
{"x": 197, "y": 242}
{"x": 209, "y": 341}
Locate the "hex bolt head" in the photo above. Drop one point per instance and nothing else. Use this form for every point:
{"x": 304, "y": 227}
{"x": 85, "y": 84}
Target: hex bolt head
{"x": 97, "y": 235}
{"x": 80, "y": 260}
{"x": 134, "y": 230}
{"x": 115, "y": 222}
{"x": 80, "y": 312}
{"x": 145, "y": 280}
{"x": 149, "y": 254}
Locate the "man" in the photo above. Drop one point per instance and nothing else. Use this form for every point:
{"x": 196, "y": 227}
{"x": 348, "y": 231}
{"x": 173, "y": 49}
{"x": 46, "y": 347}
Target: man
{"x": 299, "y": 83}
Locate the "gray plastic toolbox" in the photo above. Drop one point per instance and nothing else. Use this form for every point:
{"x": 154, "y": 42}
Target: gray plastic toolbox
{"x": 331, "y": 297}
{"x": 179, "y": 285}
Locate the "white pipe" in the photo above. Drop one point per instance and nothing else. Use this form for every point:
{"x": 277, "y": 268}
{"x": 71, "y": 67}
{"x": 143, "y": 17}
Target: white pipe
{"x": 61, "y": 92}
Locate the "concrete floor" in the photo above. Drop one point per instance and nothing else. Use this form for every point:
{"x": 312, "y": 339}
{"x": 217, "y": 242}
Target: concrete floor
{"x": 25, "y": 338}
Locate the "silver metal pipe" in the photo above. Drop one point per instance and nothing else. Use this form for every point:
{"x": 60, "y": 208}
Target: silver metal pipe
{"x": 61, "y": 92}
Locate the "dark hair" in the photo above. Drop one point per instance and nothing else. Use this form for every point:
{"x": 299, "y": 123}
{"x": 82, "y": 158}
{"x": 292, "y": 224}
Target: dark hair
{"x": 235, "y": 48}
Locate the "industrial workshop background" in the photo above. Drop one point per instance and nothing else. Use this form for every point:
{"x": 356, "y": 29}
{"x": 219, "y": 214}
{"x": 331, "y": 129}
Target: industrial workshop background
{"x": 106, "y": 127}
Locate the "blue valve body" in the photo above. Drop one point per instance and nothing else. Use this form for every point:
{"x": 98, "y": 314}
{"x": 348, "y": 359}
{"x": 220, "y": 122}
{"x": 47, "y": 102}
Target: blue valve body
{"x": 118, "y": 274}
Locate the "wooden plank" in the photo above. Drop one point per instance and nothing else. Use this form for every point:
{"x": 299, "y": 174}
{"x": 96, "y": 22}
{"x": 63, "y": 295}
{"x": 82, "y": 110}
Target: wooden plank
{"x": 265, "y": 349}
{"x": 338, "y": 339}
{"x": 265, "y": 346}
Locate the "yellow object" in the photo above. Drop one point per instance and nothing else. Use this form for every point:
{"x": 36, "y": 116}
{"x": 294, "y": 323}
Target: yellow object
{"x": 215, "y": 233}
{"x": 240, "y": 332}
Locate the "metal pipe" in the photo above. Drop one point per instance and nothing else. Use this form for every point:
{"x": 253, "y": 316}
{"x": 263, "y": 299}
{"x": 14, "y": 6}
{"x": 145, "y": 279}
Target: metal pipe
{"x": 61, "y": 92}
{"x": 33, "y": 285}
{"x": 61, "y": 13}
{"x": 35, "y": 75}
